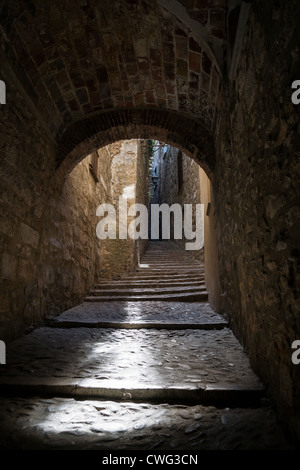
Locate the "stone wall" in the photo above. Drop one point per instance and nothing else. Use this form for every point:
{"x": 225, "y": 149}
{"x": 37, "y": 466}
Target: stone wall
{"x": 49, "y": 250}
{"x": 255, "y": 187}
{"x": 70, "y": 241}
{"x": 212, "y": 277}
{"x": 47, "y": 225}
{"x": 128, "y": 161}
{"x": 27, "y": 181}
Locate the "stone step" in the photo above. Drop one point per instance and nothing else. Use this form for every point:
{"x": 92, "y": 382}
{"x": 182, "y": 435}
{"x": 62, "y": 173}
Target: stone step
{"x": 169, "y": 266}
{"x": 171, "y": 260}
{"x": 213, "y": 395}
{"x": 169, "y": 255}
{"x": 168, "y": 270}
{"x": 83, "y": 323}
{"x": 163, "y": 247}
{"x": 180, "y": 365}
{"x": 154, "y": 283}
{"x": 156, "y": 279}
{"x": 163, "y": 273}
{"x": 166, "y": 259}
{"x": 192, "y": 296}
{"x": 148, "y": 290}
{"x": 66, "y": 423}
{"x": 123, "y": 314}
{"x": 159, "y": 276}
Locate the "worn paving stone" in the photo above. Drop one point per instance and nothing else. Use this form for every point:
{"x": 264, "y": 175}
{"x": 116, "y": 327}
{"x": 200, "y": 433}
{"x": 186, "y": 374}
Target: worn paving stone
{"x": 64, "y": 423}
{"x": 145, "y": 312}
{"x": 131, "y": 358}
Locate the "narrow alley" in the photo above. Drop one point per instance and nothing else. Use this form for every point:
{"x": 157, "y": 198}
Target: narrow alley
{"x": 149, "y": 225}
{"x": 142, "y": 364}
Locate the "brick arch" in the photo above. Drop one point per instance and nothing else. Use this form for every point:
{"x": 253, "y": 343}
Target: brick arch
{"x": 83, "y": 63}
{"x": 83, "y": 137}
{"x": 76, "y": 60}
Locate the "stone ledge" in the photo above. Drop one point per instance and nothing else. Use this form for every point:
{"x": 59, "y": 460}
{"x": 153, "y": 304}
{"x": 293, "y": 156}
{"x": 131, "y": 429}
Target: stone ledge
{"x": 137, "y": 325}
{"x": 193, "y": 296}
{"x": 209, "y": 395}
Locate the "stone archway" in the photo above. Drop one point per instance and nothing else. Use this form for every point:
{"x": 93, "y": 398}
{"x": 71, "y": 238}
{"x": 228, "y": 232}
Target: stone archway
{"x": 182, "y": 132}
{"x": 122, "y": 69}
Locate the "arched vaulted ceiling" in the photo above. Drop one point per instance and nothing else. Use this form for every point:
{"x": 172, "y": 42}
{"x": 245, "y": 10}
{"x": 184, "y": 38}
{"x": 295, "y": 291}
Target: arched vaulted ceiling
{"x": 99, "y": 71}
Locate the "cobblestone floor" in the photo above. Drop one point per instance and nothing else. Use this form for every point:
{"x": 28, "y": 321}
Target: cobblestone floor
{"x": 81, "y": 384}
{"x": 145, "y": 312}
{"x": 61, "y": 423}
{"x": 130, "y": 358}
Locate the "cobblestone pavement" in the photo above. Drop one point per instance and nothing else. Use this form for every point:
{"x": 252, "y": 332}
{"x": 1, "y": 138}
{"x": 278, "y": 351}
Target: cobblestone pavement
{"x": 130, "y": 358}
{"x": 64, "y": 423}
{"x": 143, "y": 313}
{"x": 134, "y": 388}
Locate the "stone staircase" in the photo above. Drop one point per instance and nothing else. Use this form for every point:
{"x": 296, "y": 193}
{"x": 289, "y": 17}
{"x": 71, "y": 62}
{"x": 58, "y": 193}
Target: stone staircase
{"x": 165, "y": 273}
{"x": 143, "y": 363}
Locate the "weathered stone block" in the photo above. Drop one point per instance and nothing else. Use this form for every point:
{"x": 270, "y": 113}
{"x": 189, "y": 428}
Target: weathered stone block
{"x": 29, "y": 235}
{"x": 182, "y": 68}
{"x": 181, "y": 47}
{"x": 195, "y": 62}
{"x": 9, "y": 264}
{"x": 206, "y": 63}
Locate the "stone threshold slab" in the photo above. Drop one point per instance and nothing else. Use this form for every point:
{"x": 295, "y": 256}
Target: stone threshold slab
{"x": 177, "y": 276}
{"x": 169, "y": 270}
{"x": 135, "y": 326}
{"x": 146, "y": 290}
{"x": 192, "y": 296}
{"x": 59, "y": 423}
{"x": 119, "y": 358}
{"x": 216, "y": 395}
{"x": 153, "y": 284}
{"x": 153, "y": 313}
